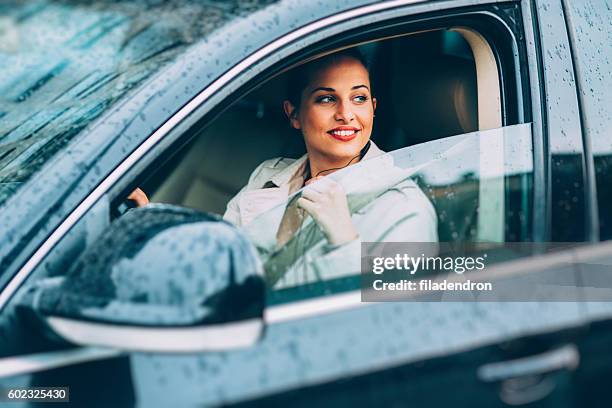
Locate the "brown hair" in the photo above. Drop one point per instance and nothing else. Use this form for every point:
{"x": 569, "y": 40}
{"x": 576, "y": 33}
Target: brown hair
{"x": 300, "y": 77}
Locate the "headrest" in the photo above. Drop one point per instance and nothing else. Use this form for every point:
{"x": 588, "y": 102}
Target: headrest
{"x": 434, "y": 96}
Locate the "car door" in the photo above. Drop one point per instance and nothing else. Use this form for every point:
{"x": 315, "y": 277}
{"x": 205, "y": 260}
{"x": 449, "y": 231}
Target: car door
{"x": 300, "y": 344}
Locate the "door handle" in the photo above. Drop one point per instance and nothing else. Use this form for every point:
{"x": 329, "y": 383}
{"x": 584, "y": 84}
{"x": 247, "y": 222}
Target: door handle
{"x": 525, "y": 380}
{"x": 562, "y": 358}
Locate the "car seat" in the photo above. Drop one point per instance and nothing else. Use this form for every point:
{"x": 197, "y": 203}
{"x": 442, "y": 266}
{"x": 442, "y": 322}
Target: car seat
{"x": 223, "y": 156}
{"x": 434, "y": 95}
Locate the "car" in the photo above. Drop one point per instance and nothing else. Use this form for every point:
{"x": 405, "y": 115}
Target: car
{"x": 499, "y": 109}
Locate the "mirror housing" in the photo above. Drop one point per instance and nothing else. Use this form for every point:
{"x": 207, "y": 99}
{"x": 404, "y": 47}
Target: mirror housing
{"x": 161, "y": 278}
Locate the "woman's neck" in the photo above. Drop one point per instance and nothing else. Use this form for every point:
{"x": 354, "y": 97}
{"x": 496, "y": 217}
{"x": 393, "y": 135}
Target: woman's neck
{"x": 324, "y": 166}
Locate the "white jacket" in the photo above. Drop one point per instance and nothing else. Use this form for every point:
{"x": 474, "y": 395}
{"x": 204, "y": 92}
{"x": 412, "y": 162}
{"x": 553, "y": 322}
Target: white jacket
{"x": 386, "y": 206}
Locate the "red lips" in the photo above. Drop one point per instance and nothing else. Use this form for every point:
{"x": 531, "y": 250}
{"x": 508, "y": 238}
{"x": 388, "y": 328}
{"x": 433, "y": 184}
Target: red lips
{"x": 344, "y": 133}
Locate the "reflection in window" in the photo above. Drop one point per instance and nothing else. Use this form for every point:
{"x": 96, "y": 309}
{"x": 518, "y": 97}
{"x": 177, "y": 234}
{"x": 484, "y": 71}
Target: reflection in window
{"x": 471, "y": 188}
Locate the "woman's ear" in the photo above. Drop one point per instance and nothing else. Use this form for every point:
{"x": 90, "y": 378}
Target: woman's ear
{"x": 374, "y": 104}
{"x": 291, "y": 113}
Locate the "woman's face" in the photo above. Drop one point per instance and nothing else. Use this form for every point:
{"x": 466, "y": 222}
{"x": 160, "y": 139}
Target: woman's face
{"x": 336, "y": 112}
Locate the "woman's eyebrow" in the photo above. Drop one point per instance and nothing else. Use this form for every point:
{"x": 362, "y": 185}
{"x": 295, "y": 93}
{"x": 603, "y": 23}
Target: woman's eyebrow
{"x": 321, "y": 88}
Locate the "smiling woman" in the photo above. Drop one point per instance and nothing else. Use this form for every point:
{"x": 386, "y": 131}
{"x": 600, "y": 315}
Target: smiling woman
{"x": 332, "y": 97}
{"x": 331, "y": 103}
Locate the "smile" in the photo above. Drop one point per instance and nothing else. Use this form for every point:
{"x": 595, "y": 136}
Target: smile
{"x": 344, "y": 135}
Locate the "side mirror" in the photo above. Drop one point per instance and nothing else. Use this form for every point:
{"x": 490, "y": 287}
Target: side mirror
{"x": 161, "y": 278}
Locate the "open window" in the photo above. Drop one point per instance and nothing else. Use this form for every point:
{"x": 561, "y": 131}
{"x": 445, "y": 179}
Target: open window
{"x": 444, "y": 102}
{"x": 434, "y": 81}
{"x": 430, "y": 84}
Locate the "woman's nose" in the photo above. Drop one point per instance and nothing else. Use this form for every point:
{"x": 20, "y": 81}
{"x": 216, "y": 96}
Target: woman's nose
{"x": 344, "y": 113}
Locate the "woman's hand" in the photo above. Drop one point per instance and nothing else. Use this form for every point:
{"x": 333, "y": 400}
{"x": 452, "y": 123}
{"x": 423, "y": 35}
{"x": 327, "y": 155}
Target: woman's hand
{"x": 139, "y": 197}
{"x": 326, "y": 203}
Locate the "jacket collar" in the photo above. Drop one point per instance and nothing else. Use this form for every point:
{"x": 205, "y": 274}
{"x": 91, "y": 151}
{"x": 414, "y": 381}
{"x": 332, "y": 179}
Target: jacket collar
{"x": 297, "y": 168}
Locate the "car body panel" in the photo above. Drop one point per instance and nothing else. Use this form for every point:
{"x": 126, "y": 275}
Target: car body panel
{"x": 564, "y": 138}
{"x": 590, "y": 31}
{"x": 316, "y": 349}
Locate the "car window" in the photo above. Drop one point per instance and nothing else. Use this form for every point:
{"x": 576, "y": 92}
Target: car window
{"x": 455, "y": 90}
{"x": 64, "y": 64}
{"x": 431, "y": 100}
{"x": 591, "y": 34}
{"x": 417, "y": 102}
{"x": 467, "y": 188}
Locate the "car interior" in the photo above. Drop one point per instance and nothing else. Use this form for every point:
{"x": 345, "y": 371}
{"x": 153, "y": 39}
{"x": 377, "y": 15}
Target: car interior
{"x": 429, "y": 85}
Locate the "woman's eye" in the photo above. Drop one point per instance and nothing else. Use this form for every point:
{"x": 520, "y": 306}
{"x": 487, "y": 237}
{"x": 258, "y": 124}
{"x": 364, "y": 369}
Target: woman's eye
{"x": 325, "y": 99}
{"x": 360, "y": 98}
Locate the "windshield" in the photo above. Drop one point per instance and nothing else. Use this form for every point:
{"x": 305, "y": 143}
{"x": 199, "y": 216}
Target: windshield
{"x": 64, "y": 63}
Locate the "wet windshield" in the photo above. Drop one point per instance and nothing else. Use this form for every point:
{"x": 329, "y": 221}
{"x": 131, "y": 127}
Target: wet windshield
{"x": 64, "y": 63}
{"x": 468, "y": 188}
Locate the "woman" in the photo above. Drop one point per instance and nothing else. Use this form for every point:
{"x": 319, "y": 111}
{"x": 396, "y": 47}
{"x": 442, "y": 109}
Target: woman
{"x": 331, "y": 104}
